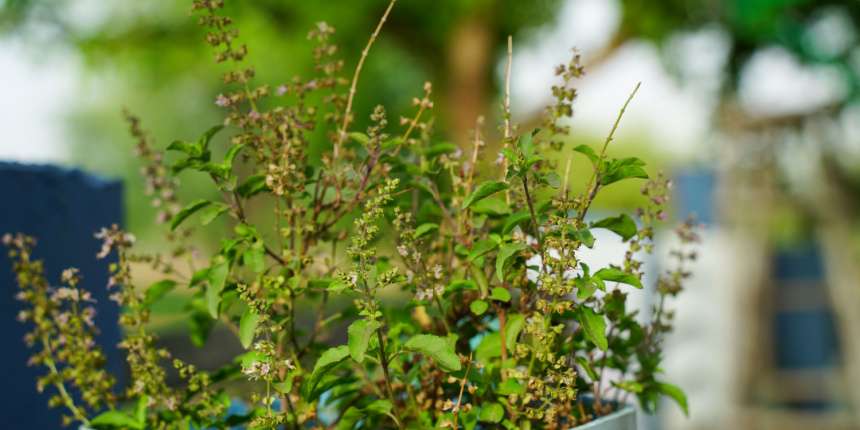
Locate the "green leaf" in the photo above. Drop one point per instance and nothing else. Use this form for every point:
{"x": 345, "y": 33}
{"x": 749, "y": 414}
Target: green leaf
{"x": 425, "y": 228}
{"x": 214, "y": 211}
{"x": 490, "y": 347}
{"x": 360, "y": 332}
{"x": 500, "y": 294}
{"x": 217, "y": 279}
{"x": 188, "y": 148}
{"x": 552, "y": 179}
{"x": 231, "y": 155}
{"x": 483, "y": 191}
{"x": 586, "y": 366}
{"x": 360, "y": 138}
{"x": 248, "y": 327}
{"x": 252, "y": 185}
{"x": 505, "y": 252}
{"x": 437, "y": 348}
{"x": 631, "y": 386}
{"x": 482, "y": 247}
{"x": 187, "y": 211}
{"x": 585, "y": 288}
{"x": 676, "y": 394}
{"x": 514, "y": 220}
{"x": 327, "y": 361}
{"x": 460, "y": 284}
{"x": 158, "y": 290}
{"x": 493, "y": 206}
{"x": 255, "y": 257}
{"x": 617, "y": 170}
{"x": 588, "y": 152}
{"x": 513, "y": 326}
{"x": 491, "y": 413}
{"x": 622, "y": 225}
{"x": 478, "y": 307}
{"x": 200, "y": 325}
{"x": 115, "y": 420}
{"x": 440, "y": 148}
{"x": 594, "y": 327}
{"x": 614, "y": 274}
{"x": 285, "y": 386}
{"x": 379, "y": 407}
{"x": 140, "y": 409}
{"x": 585, "y": 237}
{"x": 511, "y": 386}
{"x": 208, "y": 135}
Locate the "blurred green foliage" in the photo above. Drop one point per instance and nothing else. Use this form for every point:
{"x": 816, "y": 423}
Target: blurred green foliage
{"x": 150, "y": 57}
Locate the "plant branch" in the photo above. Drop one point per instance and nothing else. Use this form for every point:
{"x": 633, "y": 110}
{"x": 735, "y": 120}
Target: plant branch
{"x": 341, "y": 136}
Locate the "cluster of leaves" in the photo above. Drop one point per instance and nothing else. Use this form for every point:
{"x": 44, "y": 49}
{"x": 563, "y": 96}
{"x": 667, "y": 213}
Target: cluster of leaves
{"x": 503, "y": 325}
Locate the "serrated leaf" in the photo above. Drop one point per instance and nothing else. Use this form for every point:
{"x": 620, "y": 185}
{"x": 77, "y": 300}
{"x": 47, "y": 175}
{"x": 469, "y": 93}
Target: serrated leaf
{"x": 437, "y": 348}
{"x": 360, "y": 332}
{"x": 494, "y": 206}
{"x": 585, "y": 237}
{"x": 327, "y": 361}
{"x": 631, "y": 386}
{"x": 255, "y": 257}
{"x": 617, "y": 170}
{"x": 379, "y": 407}
{"x": 490, "y": 347}
{"x": 461, "y": 284}
{"x": 614, "y": 274}
{"x": 513, "y": 326}
{"x": 246, "y": 231}
{"x": 585, "y": 288}
{"x": 285, "y": 386}
{"x": 482, "y": 247}
{"x": 621, "y": 225}
{"x": 500, "y": 294}
{"x": 510, "y": 386}
{"x": 360, "y": 138}
{"x": 552, "y": 179}
{"x": 206, "y": 138}
{"x": 188, "y": 148}
{"x": 252, "y": 185}
{"x": 425, "y": 229}
{"x": 491, "y": 413}
{"x": 483, "y": 191}
{"x": 586, "y": 366}
{"x": 588, "y": 152}
{"x": 514, "y": 220}
{"x": 158, "y": 290}
{"x": 440, "y": 148}
{"x": 217, "y": 278}
{"x": 247, "y": 327}
{"x": 594, "y": 327}
{"x": 212, "y": 212}
{"x": 231, "y": 155}
{"x": 676, "y": 394}
{"x": 507, "y": 251}
{"x": 187, "y": 211}
{"x": 478, "y": 307}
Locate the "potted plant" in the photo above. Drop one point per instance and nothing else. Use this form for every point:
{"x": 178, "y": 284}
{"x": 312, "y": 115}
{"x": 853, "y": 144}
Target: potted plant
{"x": 465, "y": 301}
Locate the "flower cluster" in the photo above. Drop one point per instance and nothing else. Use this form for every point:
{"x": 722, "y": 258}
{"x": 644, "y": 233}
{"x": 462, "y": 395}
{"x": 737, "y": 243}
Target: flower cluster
{"x": 398, "y": 281}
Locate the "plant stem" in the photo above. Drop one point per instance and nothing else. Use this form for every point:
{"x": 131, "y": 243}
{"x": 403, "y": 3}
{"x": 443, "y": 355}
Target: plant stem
{"x": 61, "y": 388}
{"x": 462, "y": 388}
{"x": 535, "y": 223}
{"x": 594, "y": 183}
{"x": 341, "y": 136}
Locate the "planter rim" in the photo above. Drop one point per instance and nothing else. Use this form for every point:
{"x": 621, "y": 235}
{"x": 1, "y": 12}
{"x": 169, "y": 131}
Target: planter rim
{"x": 624, "y": 411}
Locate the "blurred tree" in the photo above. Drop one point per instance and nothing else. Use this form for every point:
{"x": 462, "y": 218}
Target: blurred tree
{"x": 148, "y": 55}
